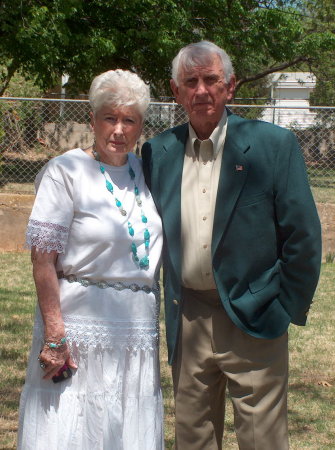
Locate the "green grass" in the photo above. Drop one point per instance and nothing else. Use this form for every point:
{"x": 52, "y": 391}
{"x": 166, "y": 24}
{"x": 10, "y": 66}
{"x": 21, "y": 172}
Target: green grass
{"x": 323, "y": 195}
{"x": 322, "y": 181}
{"x": 17, "y": 302}
{"x": 312, "y": 362}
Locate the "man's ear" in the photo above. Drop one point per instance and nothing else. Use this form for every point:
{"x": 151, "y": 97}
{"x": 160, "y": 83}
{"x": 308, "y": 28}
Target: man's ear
{"x": 231, "y": 87}
{"x": 174, "y": 89}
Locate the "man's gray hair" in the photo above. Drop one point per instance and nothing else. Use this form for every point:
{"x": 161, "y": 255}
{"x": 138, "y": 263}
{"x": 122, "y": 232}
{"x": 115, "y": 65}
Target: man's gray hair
{"x": 119, "y": 88}
{"x": 201, "y": 54}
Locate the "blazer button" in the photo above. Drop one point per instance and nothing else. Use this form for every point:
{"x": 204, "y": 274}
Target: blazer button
{"x": 175, "y": 302}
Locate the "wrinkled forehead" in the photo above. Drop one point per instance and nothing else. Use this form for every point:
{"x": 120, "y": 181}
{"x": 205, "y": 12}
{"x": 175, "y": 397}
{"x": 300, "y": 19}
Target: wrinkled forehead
{"x": 209, "y": 63}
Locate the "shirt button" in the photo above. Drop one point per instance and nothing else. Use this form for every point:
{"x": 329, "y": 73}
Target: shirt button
{"x": 175, "y": 302}
{"x": 207, "y": 274}
{"x": 204, "y": 218}
{"x": 204, "y": 191}
{"x": 205, "y": 246}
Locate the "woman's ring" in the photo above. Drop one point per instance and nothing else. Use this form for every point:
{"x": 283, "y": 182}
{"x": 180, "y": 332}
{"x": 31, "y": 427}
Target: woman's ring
{"x": 42, "y": 364}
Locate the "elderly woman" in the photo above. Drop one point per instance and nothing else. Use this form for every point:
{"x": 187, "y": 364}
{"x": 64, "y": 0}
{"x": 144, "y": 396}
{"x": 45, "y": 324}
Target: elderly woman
{"x": 95, "y": 236}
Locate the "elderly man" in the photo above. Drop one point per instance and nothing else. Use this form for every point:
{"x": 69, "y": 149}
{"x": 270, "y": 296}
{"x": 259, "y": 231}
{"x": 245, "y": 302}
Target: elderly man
{"x": 241, "y": 259}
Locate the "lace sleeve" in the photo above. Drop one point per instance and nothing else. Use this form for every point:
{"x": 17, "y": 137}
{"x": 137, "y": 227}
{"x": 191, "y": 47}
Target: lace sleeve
{"x": 46, "y": 236}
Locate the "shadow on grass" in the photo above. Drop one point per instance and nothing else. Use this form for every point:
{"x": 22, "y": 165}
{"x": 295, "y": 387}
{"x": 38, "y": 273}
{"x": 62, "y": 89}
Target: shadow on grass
{"x": 311, "y": 390}
{"x": 15, "y": 298}
{"x": 305, "y": 421}
{"x": 10, "y": 395}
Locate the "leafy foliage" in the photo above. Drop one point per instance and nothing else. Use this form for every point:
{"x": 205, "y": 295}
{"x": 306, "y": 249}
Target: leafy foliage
{"x": 324, "y": 93}
{"x": 46, "y": 38}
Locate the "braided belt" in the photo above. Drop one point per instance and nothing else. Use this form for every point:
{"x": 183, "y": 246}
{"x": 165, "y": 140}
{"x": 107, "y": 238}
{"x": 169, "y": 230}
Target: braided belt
{"x": 118, "y": 285}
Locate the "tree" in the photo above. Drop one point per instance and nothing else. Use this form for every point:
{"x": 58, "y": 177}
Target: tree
{"x": 83, "y": 38}
{"x": 44, "y": 39}
{"x": 323, "y": 12}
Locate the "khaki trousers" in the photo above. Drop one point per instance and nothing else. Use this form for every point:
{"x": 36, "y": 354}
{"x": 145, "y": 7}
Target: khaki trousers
{"x": 213, "y": 354}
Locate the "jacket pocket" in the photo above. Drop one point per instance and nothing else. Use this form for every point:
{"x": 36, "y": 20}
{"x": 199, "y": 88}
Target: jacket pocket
{"x": 269, "y": 276}
{"x": 261, "y": 295}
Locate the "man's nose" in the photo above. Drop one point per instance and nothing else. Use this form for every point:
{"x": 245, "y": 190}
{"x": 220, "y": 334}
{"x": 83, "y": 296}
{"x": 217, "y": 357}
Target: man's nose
{"x": 201, "y": 88}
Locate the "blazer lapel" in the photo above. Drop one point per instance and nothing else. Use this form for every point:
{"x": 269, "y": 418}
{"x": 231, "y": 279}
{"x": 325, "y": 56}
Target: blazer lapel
{"x": 234, "y": 170}
{"x": 170, "y": 179}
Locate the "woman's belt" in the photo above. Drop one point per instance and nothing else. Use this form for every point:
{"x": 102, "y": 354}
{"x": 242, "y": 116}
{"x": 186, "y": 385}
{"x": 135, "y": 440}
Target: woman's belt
{"x": 102, "y": 284}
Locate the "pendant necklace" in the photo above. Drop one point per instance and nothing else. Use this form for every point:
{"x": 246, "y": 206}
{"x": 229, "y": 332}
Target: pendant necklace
{"x": 142, "y": 263}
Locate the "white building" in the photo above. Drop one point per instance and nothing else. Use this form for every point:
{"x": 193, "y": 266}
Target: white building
{"x": 290, "y": 93}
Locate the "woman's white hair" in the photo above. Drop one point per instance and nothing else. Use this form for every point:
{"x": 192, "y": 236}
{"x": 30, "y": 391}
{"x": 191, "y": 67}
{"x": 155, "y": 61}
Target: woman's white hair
{"x": 119, "y": 88}
{"x": 201, "y": 54}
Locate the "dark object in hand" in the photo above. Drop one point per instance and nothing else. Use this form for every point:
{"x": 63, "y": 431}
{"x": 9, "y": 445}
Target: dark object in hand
{"x": 63, "y": 374}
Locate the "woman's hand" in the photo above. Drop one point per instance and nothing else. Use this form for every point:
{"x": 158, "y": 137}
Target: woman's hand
{"x": 47, "y": 288}
{"x": 54, "y": 359}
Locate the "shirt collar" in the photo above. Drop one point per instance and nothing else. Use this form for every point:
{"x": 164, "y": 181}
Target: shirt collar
{"x": 217, "y": 137}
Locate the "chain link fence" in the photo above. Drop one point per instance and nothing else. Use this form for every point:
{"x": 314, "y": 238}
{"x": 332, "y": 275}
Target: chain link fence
{"x": 34, "y": 130}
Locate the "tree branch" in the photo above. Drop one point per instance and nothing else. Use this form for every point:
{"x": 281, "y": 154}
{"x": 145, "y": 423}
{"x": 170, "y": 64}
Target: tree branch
{"x": 266, "y": 72}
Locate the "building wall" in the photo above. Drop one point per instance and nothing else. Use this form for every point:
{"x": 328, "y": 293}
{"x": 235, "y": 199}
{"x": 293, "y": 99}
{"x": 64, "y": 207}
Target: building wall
{"x": 291, "y": 90}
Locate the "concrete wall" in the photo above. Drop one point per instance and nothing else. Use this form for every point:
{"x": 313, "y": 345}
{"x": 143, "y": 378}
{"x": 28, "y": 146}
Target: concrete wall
{"x": 68, "y": 135}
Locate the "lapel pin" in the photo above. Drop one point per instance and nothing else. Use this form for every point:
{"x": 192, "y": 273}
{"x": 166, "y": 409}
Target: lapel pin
{"x": 238, "y": 168}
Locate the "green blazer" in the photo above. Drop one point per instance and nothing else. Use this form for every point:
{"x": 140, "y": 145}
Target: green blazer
{"x": 266, "y": 244}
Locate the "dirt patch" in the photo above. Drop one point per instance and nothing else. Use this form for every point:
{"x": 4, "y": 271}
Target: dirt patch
{"x": 15, "y": 211}
{"x": 14, "y": 215}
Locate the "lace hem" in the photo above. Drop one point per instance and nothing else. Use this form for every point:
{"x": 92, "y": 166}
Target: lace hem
{"x": 46, "y": 236}
{"x": 86, "y": 332}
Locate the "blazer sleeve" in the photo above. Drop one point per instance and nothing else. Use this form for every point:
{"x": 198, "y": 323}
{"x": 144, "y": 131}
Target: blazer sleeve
{"x": 147, "y": 163}
{"x": 299, "y": 231}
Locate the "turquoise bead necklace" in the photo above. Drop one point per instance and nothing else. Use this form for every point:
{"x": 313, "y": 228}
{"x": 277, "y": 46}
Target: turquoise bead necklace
{"x": 142, "y": 263}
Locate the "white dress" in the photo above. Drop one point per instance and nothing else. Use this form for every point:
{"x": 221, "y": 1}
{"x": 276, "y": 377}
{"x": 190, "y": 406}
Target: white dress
{"x": 113, "y": 401}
